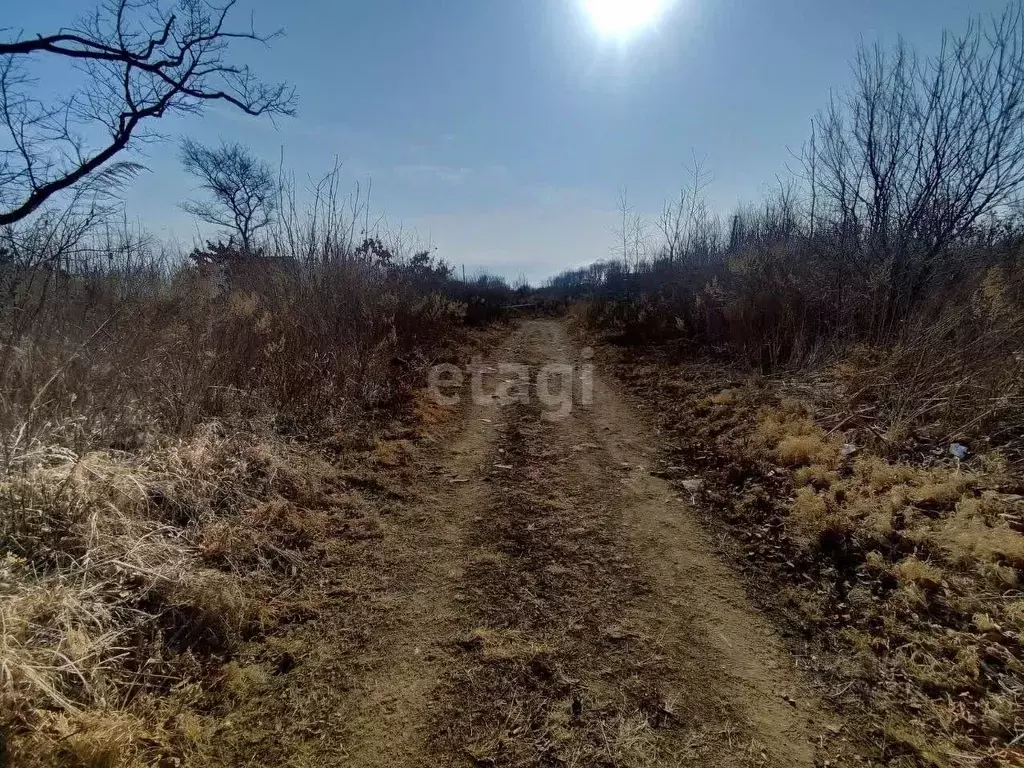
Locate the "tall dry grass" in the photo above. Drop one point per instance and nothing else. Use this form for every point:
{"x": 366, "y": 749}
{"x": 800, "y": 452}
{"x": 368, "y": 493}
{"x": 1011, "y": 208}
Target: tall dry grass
{"x": 151, "y": 405}
{"x": 952, "y": 368}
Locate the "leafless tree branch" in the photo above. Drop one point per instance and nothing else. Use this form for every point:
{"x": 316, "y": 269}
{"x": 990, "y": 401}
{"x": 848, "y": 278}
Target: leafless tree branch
{"x": 138, "y": 60}
{"x": 243, "y": 190}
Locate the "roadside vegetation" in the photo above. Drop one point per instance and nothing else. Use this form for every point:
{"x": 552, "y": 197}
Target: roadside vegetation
{"x": 842, "y": 368}
{"x": 170, "y": 422}
{"x": 187, "y": 439}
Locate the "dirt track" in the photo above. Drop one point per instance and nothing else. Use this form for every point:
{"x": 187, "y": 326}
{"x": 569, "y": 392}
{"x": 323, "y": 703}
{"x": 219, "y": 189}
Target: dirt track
{"x": 536, "y": 597}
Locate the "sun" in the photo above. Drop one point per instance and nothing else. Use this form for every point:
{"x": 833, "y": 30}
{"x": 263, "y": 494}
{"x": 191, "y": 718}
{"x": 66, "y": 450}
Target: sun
{"x": 622, "y": 18}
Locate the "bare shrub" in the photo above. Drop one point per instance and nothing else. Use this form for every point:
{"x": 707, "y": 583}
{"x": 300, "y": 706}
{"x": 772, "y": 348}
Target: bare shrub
{"x": 895, "y": 254}
{"x": 152, "y": 488}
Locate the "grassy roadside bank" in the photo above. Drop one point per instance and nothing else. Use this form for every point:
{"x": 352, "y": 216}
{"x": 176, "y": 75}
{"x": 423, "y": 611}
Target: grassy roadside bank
{"x": 895, "y": 569}
{"x": 135, "y": 577}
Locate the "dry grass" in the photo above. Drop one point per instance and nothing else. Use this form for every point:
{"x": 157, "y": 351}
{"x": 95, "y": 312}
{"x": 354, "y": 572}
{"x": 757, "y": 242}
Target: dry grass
{"x": 903, "y": 565}
{"x": 110, "y": 602}
{"x": 164, "y": 472}
{"x": 795, "y": 441}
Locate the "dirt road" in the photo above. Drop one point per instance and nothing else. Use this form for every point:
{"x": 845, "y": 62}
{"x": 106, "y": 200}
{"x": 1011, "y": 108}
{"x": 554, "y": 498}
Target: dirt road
{"x": 538, "y": 597}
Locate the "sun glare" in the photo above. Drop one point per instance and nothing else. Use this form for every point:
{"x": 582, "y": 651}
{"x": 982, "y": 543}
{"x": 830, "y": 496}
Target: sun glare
{"x": 622, "y": 18}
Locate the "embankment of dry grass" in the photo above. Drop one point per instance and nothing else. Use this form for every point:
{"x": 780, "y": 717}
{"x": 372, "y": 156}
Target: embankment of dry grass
{"x": 173, "y": 477}
{"x": 134, "y": 582}
{"x": 895, "y": 567}
{"x": 128, "y": 579}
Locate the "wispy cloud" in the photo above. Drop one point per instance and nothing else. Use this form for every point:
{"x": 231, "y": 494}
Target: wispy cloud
{"x": 445, "y": 174}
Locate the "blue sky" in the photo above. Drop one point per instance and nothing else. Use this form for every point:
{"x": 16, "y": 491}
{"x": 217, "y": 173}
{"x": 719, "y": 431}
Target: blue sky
{"x": 502, "y": 130}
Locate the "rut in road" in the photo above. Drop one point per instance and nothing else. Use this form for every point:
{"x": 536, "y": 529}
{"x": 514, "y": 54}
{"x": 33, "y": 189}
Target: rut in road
{"x": 599, "y": 629}
{"x": 538, "y": 598}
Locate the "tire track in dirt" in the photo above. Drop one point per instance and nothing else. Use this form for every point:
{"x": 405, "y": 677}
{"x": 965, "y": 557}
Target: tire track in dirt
{"x": 388, "y": 719}
{"x": 365, "y": 665}
{"x": 531, "y": 596}
{"x": 599, "y": 628}
{"x": 719, "y": 644}
{"x": 386, "y": 722}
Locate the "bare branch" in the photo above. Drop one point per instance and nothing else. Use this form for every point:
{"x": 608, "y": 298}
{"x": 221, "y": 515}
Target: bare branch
{"x": 243, "y": 189}
{"x": 137, "y": 61}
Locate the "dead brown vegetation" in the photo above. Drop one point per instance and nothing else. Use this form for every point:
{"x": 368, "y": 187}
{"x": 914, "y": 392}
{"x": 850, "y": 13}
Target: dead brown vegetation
{"x": 164, "y": 474}
{"x": 894, "y": 253}
{"x": 901, "y": 570}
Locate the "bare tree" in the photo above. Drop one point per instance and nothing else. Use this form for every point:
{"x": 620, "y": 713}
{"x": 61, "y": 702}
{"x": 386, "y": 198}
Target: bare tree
{"x": 129, "y": 63}
{"x": 243, "y": 189}
{"x": 686, "y": 224}
{"x": 920, "y": 150}
{"x": 631, "y": 233}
